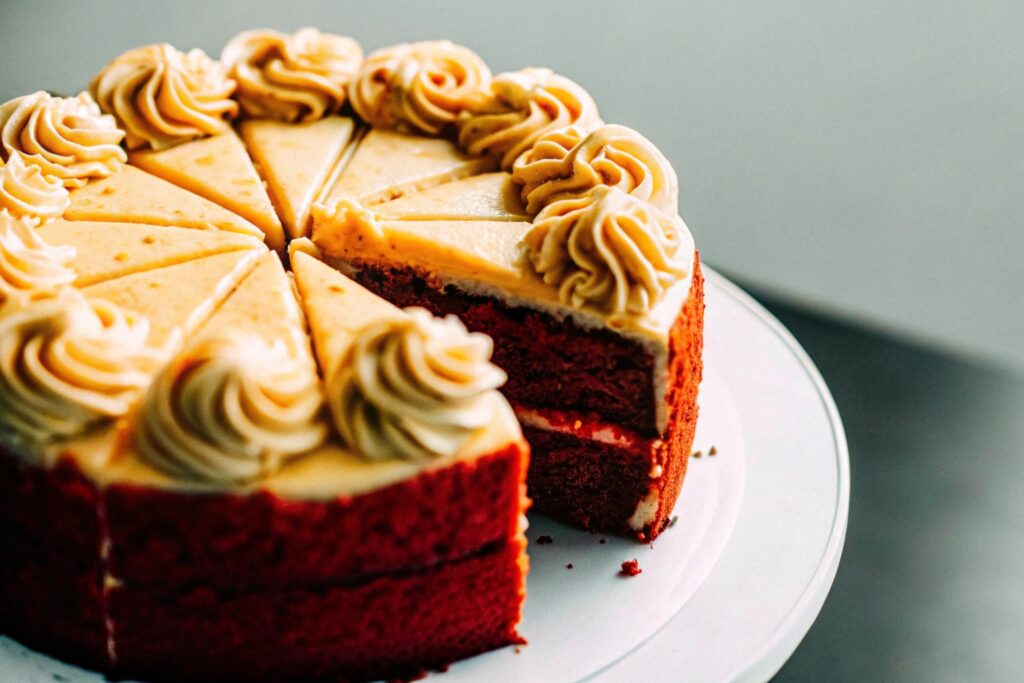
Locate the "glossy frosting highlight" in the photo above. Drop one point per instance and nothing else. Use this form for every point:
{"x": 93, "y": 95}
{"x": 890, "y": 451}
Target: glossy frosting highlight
{"x": 419, "y": 86}
{"x": 609, "y": 249}
{"x": 25, "y": 191}
{"x": 162, "y": 97}
{"x": 67, "y": 137}
{"x": 298, "y": 77}
{"x": 230, "y": 411}
{"x": 521, "y": 107}
{"x": 416, "y": 387}
{"x": 68, "y": 363}
{"x": 569, "y": 162}
{"x": 30, "y": 268}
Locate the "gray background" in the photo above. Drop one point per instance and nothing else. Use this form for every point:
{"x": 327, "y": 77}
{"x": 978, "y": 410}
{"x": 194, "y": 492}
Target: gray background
{"x": 865, "y": 157}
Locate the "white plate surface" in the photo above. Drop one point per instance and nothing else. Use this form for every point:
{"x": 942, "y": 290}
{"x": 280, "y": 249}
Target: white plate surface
{"x": 728, "y": 592}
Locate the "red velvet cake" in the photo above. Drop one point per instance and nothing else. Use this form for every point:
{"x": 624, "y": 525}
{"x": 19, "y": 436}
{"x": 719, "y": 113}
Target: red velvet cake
{"x": 235, "y": 441}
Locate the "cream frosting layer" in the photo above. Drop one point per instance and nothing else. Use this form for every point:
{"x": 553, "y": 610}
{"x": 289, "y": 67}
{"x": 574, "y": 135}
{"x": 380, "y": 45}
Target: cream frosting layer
{"x": 68, "y": 363}
{"x": 569, "y": 162}
{"x": 521, "y": 107}
{"x": 298, "y": 77}
{"x": 162, "y": 97}
{"x": 30, "y": 268}
{"x": 67, "y": 137}
{"x": 230, "y": 411}
{"x": 420, "y": 86}
{"x": 25, "y": 191}
{"x": 415, "y": 387}
{"x": 609, "y": 249}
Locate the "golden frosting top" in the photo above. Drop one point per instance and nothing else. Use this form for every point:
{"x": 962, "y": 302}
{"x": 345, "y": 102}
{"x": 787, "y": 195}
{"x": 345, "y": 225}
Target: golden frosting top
{"x": 162, "y": 97}
{"x": 419, "y": 86}
{"x": 520, "y": 108}
{"x": 609, "y": 249}
{"x": 230, "y": 411}
{"x": 67, "y": 137}
{"x": 25, "y": 191}
{"x": 415, "y": 387}
{"x": 569, "y": 162}
{"x": 68, "y": 363}
{"x": 29, "y": 267}
{"x": 297, "y": 77}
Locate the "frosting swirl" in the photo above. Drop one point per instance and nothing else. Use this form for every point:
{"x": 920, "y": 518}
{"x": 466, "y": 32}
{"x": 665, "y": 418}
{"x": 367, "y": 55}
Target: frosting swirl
{"x": 67, "y": 363}
{"x": 162, "y": 97}
{"x": 568, "y": 162}
{"x": 421, "y": 86}
{"x": 26, "y": 191}
{"x": 523, "y": 106}
{"x": 231, "y": 410}
{"x": 415, "y": 387}
{"x": 297, "y": 77}
{"x": 609, "y": 249}
{"x": 29, "y": 267}
{"x": 67, "y": 137}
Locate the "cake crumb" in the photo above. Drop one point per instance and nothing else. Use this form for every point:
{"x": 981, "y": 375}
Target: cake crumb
{"x": 569, "y": 566}
{"x": 630, "y": 568}
{"x": 603, "y": 541}
{"x": 578, "y": 424}
{"x": 713, "y": 451}
{"x": 517, "y": 649}
{"x": 545, "y": 540}
{"x": 672, "y": 522}
{"x": 696, "y": 454}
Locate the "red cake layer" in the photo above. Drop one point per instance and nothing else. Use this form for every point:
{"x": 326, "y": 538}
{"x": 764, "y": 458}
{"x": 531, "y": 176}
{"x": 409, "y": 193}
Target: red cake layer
{"x": 598, "y": 485}
{"x": 550, "y": 363}
{"x": 388, "y": 626}
{"x": 262, "y": 540}
{"x": 51, "y": 576}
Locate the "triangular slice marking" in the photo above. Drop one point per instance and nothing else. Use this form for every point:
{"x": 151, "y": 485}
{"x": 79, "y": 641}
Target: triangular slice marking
{"x": 296, "y": 160}
{"x": 179, "y": 298}
{"x": 388, "y": 164}
{"x": 336, "y": 308}
{"x": 491, "y": 196}
{"x": 108, "y": 250}
{"x": 133, "y": 196}
{"x": 217, "y": 168}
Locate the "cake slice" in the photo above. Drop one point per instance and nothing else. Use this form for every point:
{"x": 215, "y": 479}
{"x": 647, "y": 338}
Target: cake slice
{"x": 133, "y": 196}
{"x": 297, "y": 161}
{"x": 178, "y": 299}
{"x": 337, "y": 565}
{"x": 388, "y": 164}
{"x": 106, "y": 250}
{"x": 217, "y": 168}
{"x": 607, "y": 398}
{"x": 485, "y": 197}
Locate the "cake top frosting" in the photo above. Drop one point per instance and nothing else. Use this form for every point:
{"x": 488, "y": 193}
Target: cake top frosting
{"x": 25, "y": 191}
{"x": 67, "y": 137}
{"x": 301, "y": 76}
{"x": 29, "y": 267}
{"x": 161, "y": 97}
{"x": 421, "y": 87}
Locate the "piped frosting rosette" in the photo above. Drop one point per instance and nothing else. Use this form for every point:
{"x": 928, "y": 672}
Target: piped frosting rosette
{"x": 415, "y": 387}
{"x": 570, "y": 162}
{"x": 521, "y": 107}
{"x": 298, "y": 77}
{"x": 162, "y": 97}
{"x": 25, "y": 191}
{"x": 420, "y": 86}
{"x": 29, "y": 267}
{"x": 68, "y": 138}
{"x": 609, "y": 250}
{"x": 230, "y": 410}
{"x": 68, "y": 363}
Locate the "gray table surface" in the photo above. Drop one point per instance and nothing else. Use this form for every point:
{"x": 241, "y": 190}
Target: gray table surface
{"x": 931, "y": 586}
